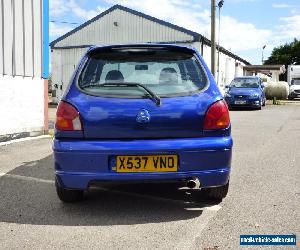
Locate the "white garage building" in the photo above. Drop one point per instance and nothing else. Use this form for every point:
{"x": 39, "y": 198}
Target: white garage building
{"x": 24, "y": 66}
{"x": 120, "y": 24}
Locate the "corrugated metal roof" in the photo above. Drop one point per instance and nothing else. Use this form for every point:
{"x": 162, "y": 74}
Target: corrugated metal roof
{"x": 194, "y": 35}
{"x": 21, "y": 38}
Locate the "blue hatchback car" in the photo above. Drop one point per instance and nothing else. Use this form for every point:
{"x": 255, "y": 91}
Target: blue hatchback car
{"x": 142, "y": 113}
{"x": 246, "y": 91}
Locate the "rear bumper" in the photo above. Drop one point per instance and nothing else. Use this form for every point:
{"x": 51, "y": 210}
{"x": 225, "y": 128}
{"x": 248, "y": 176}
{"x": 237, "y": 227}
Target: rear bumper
{"x": 294, "y": 94}
{"x": 78, "y": 162}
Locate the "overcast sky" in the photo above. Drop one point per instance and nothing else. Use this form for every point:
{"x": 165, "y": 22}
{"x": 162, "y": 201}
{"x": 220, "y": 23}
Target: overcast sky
{"x": 247, "y": 25}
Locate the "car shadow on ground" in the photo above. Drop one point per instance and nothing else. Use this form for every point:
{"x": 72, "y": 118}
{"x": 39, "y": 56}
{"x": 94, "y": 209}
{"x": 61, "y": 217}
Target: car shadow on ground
{"x": 28, "y": 197}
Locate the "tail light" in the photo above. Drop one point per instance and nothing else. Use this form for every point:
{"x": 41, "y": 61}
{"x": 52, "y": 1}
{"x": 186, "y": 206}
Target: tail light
{"x": 67, "y": 117}
{"x": 217, "y": 116}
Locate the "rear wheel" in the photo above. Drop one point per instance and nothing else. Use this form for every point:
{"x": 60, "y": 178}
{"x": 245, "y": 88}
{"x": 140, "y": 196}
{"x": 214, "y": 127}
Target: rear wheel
{"x": 290, "y": 97}
{"x": 67, "y": 195}
{"x": 216, "y": 193}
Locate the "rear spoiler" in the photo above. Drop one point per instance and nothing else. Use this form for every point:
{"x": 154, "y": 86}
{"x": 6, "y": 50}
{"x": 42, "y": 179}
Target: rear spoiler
{"x": 142, "y": 48}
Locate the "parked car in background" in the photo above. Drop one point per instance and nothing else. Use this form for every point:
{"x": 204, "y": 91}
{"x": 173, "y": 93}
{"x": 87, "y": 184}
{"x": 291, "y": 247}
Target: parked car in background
{"x": 246, "y": 91}
{"x": 293, "y": 75}
{"x": 294, "y": 89}
{"x": 138, "y": 113}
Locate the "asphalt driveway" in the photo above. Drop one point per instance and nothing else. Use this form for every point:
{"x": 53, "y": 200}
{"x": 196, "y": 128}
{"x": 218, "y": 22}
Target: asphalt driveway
{"x": 264, "y": 197}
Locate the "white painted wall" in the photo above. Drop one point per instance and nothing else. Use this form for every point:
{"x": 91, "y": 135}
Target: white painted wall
{"x": 64, "y": 62}
{"x": 206, "y": 55}
{"x": 230, "y": 70}
{"x": 22, "y": 104}
{"x": 229, "y": 67}
{"x": 239, "y": 69}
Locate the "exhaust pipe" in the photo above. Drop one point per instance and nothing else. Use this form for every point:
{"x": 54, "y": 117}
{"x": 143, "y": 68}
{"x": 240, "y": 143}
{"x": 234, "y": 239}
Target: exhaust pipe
{"x": 193, "y": 183}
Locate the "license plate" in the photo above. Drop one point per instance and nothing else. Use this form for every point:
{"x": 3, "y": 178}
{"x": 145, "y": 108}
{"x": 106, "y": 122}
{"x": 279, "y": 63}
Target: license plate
{"x": 240, "y": 102}
{"x": 147, "y": 163}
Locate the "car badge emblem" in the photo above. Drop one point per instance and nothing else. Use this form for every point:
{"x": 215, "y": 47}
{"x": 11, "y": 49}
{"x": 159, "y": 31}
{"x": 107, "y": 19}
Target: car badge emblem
{"x": 143, "y": 116}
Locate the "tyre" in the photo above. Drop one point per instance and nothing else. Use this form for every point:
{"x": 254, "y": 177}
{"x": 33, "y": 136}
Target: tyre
{"x": 67, "y": 195}
{"x": 260, "y": 105}
{"x": 216, "y": 193}
{"x": 290, "y": 98}
{"x": 257, "y": 107}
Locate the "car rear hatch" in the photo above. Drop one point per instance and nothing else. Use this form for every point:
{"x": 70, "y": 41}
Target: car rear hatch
{"x": 109, "y": 110}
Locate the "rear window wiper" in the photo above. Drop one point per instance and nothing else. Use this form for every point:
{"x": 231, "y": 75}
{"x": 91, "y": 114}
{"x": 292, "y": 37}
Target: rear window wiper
{"x": 152, "y": 95}
{"x": 90, "y": 85}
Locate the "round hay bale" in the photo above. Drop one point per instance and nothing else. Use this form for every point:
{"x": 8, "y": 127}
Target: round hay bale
{"x": 280, "y": 90}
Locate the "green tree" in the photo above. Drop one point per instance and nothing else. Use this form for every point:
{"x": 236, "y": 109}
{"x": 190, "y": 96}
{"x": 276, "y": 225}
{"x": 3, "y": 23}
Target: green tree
{"x": 286, "y": 54}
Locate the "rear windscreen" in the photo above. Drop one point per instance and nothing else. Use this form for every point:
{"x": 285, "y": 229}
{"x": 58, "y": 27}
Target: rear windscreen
{"x": 166, "y": 73}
